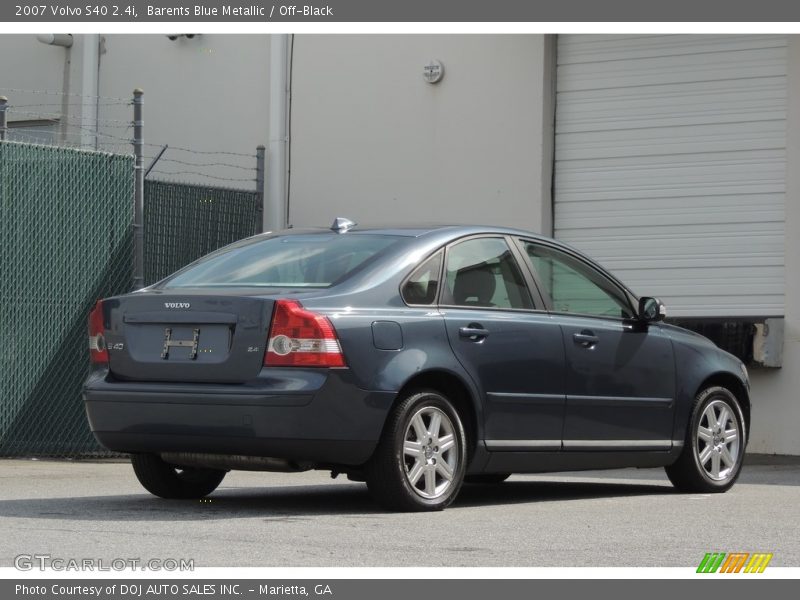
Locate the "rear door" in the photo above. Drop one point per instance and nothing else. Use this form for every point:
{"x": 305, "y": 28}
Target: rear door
{"x": 511, "y": 347}
{"x": 620, "y": 373}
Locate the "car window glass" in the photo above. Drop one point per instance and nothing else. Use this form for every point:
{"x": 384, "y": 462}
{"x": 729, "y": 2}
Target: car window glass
{"x": 421, "y": 287}
{"x": 296, "y": 260}
{"x": 574, "y": 287}
{"x": 483, "y": 272}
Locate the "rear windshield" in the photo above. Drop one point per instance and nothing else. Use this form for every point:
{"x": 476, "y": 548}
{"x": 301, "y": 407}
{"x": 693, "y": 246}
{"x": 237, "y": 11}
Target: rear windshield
{"x": 303, "y": 261}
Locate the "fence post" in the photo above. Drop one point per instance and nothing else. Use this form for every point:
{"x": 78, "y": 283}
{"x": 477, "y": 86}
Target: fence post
{"x": 260, "y": 162}
{"x": 138, "y": 191}
{"x": 3, "y": 123}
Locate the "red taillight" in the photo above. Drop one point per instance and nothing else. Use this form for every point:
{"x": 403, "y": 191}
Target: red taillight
{"x": 97, "y": 341}
{"x": 301, "y": 338}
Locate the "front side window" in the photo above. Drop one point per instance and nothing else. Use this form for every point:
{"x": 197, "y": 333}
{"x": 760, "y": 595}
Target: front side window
{"x": 482, "y": 272}
{"x": 574, "y": 287}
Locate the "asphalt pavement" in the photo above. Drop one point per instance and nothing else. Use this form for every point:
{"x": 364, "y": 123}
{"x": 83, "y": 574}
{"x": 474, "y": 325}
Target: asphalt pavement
{"x": 629, "y": 517}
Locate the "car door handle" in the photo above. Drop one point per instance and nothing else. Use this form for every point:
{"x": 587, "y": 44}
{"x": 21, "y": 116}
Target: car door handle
{"x": 586, "y": 339}
{"x": 473, "y": 332}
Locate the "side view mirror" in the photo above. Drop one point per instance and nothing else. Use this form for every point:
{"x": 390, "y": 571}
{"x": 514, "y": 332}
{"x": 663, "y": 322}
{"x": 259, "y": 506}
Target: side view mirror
{"x": 651, "y": 309}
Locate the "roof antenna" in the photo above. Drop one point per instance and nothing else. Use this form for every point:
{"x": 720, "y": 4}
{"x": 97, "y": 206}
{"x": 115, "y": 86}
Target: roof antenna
{"x": 342, "y": 225}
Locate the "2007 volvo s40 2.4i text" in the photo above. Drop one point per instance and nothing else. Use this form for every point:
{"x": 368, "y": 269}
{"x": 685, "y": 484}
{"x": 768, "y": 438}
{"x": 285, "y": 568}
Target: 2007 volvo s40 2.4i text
{"x": 415, "y": 359}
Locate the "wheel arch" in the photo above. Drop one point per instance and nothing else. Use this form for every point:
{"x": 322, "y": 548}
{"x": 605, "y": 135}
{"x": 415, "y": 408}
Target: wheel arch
{"x": 736, "y": 386}
{"x": 687, "y": 473}
{"x": 457, "y": 390}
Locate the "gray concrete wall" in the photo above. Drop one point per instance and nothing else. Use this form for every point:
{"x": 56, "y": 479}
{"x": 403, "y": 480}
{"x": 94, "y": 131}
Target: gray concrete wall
{"x": 27, "y": 64}
{"x": 371, "y": 140}
{"x": 776, "y": 392}
{"x": 209, "y": 93}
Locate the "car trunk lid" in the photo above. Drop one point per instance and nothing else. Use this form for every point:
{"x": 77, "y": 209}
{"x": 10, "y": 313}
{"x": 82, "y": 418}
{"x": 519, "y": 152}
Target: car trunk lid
{"x": 187, "y": 337}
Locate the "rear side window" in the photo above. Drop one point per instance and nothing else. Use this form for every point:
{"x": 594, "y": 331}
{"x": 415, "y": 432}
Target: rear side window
{"x": 483, "y": 272}
{"x": 305, "y": 261}
{"x": 423, "y": 284}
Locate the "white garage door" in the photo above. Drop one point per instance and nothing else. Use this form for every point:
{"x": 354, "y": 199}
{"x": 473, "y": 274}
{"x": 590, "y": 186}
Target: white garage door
{"x": 670, "y": 166}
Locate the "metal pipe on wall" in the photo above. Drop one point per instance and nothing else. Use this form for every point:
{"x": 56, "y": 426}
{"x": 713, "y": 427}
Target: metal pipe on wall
{"x": 90, "y": 88}
{"x": 3, "y": 122}
{"x": 56, "y": 39}
{"x": 138, "y": 190}
{"x": 65, "y": 41}
{"x": 261, "y": 156}
{"x": 275, "y": 209}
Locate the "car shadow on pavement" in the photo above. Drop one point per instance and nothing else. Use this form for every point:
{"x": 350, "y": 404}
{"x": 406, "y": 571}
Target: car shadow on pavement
{"x": 518, "y": 492}
{"x": 295, "y": 502}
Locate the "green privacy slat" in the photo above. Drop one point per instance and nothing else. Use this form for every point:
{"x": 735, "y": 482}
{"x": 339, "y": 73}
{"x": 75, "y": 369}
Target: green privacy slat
{"x": 183, "y": 222}
{"x": 65, "y": 241}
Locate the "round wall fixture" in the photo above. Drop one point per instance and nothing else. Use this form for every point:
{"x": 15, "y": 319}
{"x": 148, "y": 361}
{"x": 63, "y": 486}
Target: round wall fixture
{"x": 433, "y": 71}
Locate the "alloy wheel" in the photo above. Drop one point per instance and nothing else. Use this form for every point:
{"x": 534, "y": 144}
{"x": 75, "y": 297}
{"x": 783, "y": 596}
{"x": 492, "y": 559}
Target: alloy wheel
{"x": 718, "y": 440}
{"x": 430, "y": 452}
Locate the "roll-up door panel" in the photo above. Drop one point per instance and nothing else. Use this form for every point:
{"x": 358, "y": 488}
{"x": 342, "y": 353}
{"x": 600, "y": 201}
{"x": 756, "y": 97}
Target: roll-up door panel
{"x": 671, "y": 164}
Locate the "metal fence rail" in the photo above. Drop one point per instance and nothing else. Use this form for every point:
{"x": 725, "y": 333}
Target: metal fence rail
{"x": 183, "y": 222}
{"x": 65, "y": 241}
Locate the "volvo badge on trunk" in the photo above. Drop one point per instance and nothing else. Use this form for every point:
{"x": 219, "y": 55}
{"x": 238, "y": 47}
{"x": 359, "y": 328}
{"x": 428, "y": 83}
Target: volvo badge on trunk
{"x": 176, "y": 305}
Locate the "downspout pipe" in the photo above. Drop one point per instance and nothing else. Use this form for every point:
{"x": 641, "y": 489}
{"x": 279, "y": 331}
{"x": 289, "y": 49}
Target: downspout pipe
{"x": 63, "y": 40}
{"x": 275, "y": 209}
{"x": 90, "y": 88}
{"x": 56, "y": 39}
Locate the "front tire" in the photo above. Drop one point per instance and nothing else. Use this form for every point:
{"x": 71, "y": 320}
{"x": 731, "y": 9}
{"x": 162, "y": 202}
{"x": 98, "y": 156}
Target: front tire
{"x": 713, "y": 451}
{"x": 170, "y": 481}
{"x": 420, "y": 461}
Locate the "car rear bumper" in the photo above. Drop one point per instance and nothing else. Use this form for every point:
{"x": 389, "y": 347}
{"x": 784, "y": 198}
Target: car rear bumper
{"x": 295, "y": 414}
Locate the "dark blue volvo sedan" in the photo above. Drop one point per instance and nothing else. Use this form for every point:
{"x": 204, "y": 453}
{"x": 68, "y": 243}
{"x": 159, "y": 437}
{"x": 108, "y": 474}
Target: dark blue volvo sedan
{"x": 414, "y": 359}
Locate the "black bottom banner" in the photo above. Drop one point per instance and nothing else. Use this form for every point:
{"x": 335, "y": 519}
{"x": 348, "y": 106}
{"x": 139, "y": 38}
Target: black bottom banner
{"x": 729, "y": 588}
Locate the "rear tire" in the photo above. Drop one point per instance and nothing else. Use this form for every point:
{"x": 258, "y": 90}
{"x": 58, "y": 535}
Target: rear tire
{"x": 169, "y": 481}
{"x": 487, "y": 478}
{"x": 421, "y": 458}
{"x": 713, "y": 451}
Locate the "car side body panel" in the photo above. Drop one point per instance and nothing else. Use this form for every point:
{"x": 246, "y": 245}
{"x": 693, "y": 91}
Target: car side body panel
{"x": 698, "y": 360}
{"x": 620, "y": 389}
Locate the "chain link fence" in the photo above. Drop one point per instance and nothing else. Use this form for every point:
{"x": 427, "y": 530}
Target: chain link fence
{"x": 65, "y": 241}
{"x": 183, "y": 222}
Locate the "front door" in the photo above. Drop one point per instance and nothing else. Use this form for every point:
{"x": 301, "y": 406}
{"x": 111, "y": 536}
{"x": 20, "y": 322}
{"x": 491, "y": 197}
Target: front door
{"x": 620, "y": 372}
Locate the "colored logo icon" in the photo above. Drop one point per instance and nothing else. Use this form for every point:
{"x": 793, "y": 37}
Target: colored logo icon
{"x": 734, "y": 562}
